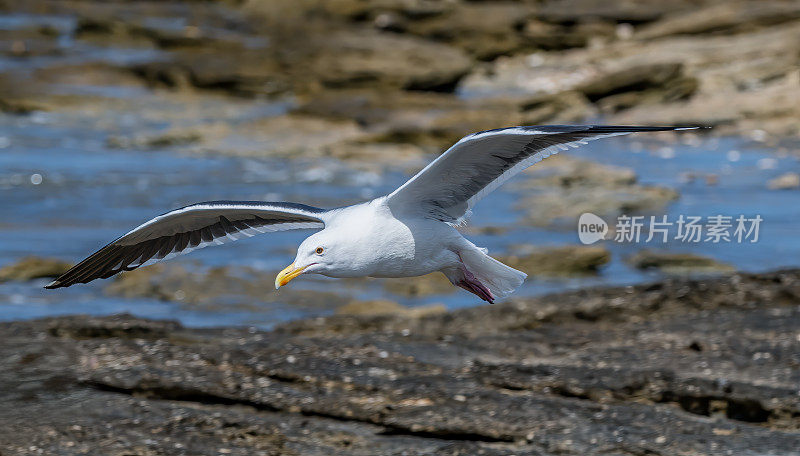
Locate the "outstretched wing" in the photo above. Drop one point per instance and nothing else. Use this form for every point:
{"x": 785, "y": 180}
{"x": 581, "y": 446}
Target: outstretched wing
{"x": 190, "y": 228}
{"x": 449, "y": 186}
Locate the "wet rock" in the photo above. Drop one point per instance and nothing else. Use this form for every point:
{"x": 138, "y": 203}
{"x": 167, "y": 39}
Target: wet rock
{"x": 534, "y": 75}
{"x": 216, "y": 288}
{"x": 569, "y": 106}
{"x": 639, "y": 85}
{"x": 241, "y": 72}
{"x": 566, "y": 172}
{"x": 484, "y": 30}
{"x": 633, "y": 78}
{"x": 430, "y": 121}
{"x": 448, "y": 126}
{"x": 122, "y": 326}
{"x": 785, "y": 181}
{"x": 98, "y": 29}
{"x": 165, "y": 26}
{"x": 33, "y": 267}
{"x": 726, "y": 17}
{"x": 733, "y": 81}
{"x": 430, "y": 284}
{"x": 572, "y": 11}
{"x": 287, "y": 135}
{"x": 395, "y": 61}
{"x": 379, "y": 157}
{"x": 670, "y": 298}
{"x": 18, "y": 97}
{"x": 156, "y": 141}
{"x": 372, "y": 108}
{"x": 677, "y": 89}
{"x": 105, "y": 28}
{"x": 547, "y": 36}
{"x": 383, "y": 307}
{"x": 77, "y": 81}
{"x": 677, "y": 263}
{"x": 767, "y": 109}
{"x": 144, "y": 282}
{"x": 20, "y": 106}
{"x": 550, "y": 375}
{"x": 350, "y": 10}
{"x": 558, "y": 190}
{"x": 557, "y": 261}
{"x": 276, "y": 136}
{"x": 562, "y": 208}
{"x": 340, "y": 59}
{"x": 263, "y": 49}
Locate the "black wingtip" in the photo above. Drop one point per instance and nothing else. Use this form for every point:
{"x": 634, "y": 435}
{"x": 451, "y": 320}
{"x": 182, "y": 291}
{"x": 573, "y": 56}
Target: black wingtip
{"x": 52, "y": 285}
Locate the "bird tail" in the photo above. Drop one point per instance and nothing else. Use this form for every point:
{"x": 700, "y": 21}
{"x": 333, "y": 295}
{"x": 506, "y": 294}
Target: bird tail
{"x": 502, "y": 280}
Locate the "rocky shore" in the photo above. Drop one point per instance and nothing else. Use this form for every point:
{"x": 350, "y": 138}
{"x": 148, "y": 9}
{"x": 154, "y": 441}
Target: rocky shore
{"x": 702, "y": 367}
{"x": 394, "y": 80}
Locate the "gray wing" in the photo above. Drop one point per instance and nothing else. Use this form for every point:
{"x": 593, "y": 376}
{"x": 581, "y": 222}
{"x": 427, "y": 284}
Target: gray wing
{"x": 449, "y": 187}
{"x": 190, "y": 228}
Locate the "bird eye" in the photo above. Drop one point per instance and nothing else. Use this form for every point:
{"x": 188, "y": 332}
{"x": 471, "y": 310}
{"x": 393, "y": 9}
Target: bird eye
{"x": 319, "y": 250}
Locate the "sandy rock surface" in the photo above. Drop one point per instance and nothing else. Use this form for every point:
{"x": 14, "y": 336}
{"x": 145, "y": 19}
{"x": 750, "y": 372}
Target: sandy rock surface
{"x": 571, "y": 260}
{"x": 558, "y": 190}
{"x": 33, "y": 267}
{"x": 678, "y": 367}
{"x": 375, "y": 78}
{"x": 677, "y": 262}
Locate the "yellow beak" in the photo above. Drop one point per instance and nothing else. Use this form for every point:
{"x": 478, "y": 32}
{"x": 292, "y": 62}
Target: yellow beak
{"x": 286, "y": 276}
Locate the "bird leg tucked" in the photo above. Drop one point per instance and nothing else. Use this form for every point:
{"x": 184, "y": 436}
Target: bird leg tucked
{"x": 473, "y": 285}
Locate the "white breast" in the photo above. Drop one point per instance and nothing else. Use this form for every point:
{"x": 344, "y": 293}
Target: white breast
{"x": 384, "y": 246}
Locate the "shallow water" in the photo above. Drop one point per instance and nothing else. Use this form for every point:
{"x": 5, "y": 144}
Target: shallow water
{"x": 89, "y": 194}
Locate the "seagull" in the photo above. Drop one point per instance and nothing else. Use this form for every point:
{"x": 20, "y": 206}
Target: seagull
{"x": 410, "y": 232}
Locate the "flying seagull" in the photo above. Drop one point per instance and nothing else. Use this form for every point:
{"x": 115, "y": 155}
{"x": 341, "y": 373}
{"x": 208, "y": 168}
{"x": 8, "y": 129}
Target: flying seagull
{"x": 410, "y": 232}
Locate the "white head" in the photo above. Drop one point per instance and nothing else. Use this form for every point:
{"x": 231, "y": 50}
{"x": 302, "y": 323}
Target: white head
{"x": 325, "y": 252}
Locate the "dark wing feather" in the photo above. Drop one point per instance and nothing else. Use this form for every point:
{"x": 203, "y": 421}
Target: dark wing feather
{"x": 450, "y": 186}
{"x": 186, "y": 229}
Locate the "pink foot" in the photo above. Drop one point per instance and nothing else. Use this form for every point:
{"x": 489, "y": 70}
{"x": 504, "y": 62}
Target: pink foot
{"x": 473, "y": 285}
